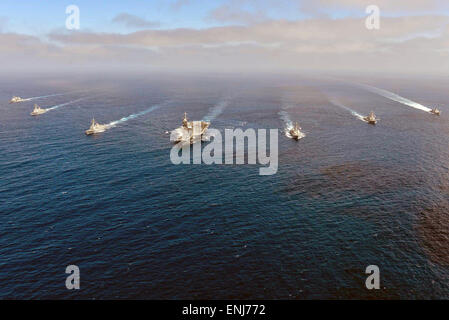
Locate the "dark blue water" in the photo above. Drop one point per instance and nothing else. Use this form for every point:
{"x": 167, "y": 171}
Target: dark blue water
{"x": 346, "y": 196}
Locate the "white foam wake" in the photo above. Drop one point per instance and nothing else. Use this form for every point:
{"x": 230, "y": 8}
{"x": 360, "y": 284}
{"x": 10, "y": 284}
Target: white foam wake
{"x": 47, "y": 96}
{"x": 64, "y": 104}
{"x": 132, "y": 116}
{"x": 51, "y": 95}
{"x": 354, "y": 113}
{"x": 397, "y": 98}
{"x": 286, "y": 118}
{"x": 288, "y": 124}
{"x": 215, "y": 111}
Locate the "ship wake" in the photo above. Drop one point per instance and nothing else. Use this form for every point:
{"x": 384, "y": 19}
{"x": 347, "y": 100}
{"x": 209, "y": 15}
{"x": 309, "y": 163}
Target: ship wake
{"x": 288, "y": 124}
{"x": 216, "y": 110}
{"x": 132, "y": 116}
{"x": 354, "y": 113}
{"x": 47, "y": 96}
{"x": 63, "y": 104}
{"x": 395, "y": 97}
{"x": 51, "y": 95}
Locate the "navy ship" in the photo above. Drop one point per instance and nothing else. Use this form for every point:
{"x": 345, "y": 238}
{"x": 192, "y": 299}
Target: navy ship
{"x": 371, "y": 118}
{"x": 95, "y": 127}
{"x": 295, "y": 132}
{"x": 435, "y": 111}
{"x": 38, "y": 110}
{"x": 190, "y": 131}
{"x": 16, "y": 99}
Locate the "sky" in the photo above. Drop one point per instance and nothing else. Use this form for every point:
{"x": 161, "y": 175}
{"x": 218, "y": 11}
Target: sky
{"x": 227, "y": 35}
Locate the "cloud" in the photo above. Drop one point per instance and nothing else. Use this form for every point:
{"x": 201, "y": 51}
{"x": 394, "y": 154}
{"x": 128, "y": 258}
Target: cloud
{"x": 132, "y": 21}
{"x": 328, "y": 32}
{"x": 403, "y": 44}
{"x": 228, "y": 13}
{"x": 251, "y": 11}
{"x": 392, "y": 6}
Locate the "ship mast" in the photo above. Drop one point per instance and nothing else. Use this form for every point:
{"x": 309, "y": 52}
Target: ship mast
{"x": 185, "y": 121}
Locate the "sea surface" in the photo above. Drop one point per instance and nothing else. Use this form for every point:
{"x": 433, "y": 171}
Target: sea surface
{"x": 346, "y": 196}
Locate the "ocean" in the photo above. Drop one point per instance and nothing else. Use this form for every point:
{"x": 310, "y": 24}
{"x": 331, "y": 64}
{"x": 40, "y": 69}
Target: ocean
{"x": 345, "y": 196}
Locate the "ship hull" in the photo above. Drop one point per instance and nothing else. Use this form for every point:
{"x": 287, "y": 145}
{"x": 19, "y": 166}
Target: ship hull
{"x": 295, "y": 135}
{"x": 187, "y": 134}
{"x": 16, "y": 101}
{"x": 370, "y": 121}
{"x": 37, "y": 113}
{"x": 90, "y": 132}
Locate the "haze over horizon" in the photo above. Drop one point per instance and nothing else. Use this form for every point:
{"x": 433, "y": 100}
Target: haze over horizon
{"x": 227, "y": 35}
